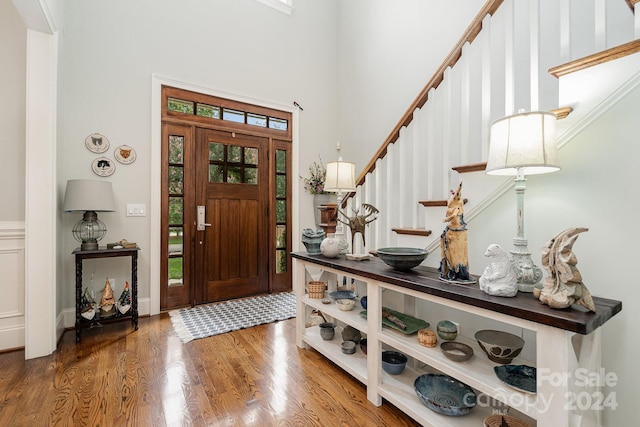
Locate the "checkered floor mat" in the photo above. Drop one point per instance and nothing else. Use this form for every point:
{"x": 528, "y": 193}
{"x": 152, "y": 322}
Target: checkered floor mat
{"x": 207, "y": 320}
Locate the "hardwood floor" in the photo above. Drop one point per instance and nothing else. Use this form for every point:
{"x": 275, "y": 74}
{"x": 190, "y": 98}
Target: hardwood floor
{"x": 118, "y": 377}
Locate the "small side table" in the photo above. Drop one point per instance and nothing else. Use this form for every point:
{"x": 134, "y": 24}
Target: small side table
{"x": 132, "y": 314}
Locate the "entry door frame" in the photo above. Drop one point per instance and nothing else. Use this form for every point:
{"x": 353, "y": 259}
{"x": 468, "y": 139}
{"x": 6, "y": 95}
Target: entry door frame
{"x": 156, "y": 158}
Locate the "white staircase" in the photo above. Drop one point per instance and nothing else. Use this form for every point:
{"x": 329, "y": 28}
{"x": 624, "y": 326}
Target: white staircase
{"x": 500, "y": 65}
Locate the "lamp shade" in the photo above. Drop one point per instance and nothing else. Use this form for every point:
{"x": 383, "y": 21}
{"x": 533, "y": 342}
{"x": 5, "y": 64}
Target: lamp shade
{"x": 88, "y": 195}
{"x": 341, "y": 177}
{"x": 525, "y": 143}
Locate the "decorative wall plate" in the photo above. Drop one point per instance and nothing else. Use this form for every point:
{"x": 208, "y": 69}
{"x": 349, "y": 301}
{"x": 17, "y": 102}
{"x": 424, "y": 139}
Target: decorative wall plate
{"x": 96, "y": 143}
{"x": 125, "y": 154}
{"x": 103, "y": 166}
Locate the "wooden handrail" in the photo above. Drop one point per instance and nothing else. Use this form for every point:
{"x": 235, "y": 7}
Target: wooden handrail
{"x": 469, "y": 35}
{"x": 597, "y": 58}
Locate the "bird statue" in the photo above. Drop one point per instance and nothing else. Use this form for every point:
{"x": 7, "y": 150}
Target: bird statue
{"x": 563, "y": 287}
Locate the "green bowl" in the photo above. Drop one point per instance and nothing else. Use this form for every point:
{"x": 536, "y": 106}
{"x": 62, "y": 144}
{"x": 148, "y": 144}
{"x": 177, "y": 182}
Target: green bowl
{"x": 401, "y": 258}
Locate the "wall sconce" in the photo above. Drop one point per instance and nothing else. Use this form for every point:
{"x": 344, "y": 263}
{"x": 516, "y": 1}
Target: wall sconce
{"x": 89, "y": 196}
{"x": 523, "y": 144}
{"x": 340, "y": 178}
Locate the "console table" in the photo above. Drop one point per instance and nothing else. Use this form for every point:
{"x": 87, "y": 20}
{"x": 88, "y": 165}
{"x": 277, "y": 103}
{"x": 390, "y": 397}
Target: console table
{"x": 132, "y": 314}
{"x": 565, "y": 341}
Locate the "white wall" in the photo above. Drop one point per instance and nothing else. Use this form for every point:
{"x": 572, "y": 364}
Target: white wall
{"x": 109, "y": 52}
{"x": 388, "y": 52}
{"x": 13, "y": 41}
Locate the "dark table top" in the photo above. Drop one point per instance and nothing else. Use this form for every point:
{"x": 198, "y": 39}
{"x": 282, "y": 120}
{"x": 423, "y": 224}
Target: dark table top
{"x": 523, "y": 305}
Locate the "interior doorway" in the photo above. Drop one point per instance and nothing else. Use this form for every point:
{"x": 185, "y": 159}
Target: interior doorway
{"x": 226, "y": 199}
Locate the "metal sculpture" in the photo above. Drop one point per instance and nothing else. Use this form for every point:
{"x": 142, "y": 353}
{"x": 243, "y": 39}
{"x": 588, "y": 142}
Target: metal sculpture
{"x": 358, "y": 222}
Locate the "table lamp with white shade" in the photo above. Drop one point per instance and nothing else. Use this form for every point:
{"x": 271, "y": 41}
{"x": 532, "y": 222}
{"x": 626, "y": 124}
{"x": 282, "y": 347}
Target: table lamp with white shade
{"x": 523, "y": 144}
{"x": 340, "y": 179}
{"x": 89, "y": 196}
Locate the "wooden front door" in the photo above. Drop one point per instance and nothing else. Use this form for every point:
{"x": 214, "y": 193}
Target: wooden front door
{"x": 226, "y": 199}
{"x": 232, "y": 186}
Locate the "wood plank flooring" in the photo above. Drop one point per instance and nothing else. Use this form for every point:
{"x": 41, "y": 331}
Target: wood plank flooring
{"x": 118, "y": 377}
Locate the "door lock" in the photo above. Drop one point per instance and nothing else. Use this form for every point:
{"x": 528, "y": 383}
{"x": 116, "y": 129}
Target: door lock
{"x": 201, "y": 224}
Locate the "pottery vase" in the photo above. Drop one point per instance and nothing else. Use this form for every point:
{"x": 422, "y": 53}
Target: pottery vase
{"x": 330, "y": 246}
{"x": 311, "y": 240}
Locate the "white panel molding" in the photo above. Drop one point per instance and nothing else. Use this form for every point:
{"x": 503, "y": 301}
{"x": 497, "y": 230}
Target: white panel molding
{"x": 10, "y": 230}
{"x": 12, "y": 307}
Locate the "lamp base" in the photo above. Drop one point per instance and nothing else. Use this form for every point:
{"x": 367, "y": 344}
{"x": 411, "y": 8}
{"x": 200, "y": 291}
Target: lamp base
{"x": 89, "y": 246}
{"x": 528, "y": 273}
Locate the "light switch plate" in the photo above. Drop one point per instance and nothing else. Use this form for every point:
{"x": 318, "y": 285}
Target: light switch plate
{"x": 136, "y": 209}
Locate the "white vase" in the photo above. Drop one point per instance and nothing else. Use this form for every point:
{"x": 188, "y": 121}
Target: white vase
{"x": 330, "y": 246}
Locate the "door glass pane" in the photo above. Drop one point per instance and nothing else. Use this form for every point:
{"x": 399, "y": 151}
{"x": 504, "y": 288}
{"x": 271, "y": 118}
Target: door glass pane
{"x": 176, "y": 273}
{"x": 251, "y": 176}
{"x": 251, "y": 156}
{"x": 281, "y": 261}
{"x": 180, "y": 105}
{"x": 234, "y": 174}
{"x": 176, "y": 149}
{"x": 175, "y": 240}
{"x": 216, "y": 151}
{"x": 281, "y": 186}
{"x": 175, "y": 210}
{"x": 281, "y": 236}
{"x": 281, "y": 211}
{"x": 233, "y": 115}
{"x": 279, "y": 124}
{"x": 205, "y": 110}
{"x": 216, "y": 173}
{"x": 234, "y": 154}
{"x": 257, "y": 120}
{"x": 281, "y": 161}
{"x": 176, "y": 178}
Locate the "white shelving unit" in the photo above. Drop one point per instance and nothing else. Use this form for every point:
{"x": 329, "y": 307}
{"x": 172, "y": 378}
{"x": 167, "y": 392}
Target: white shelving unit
{"x": 564, "y": 356}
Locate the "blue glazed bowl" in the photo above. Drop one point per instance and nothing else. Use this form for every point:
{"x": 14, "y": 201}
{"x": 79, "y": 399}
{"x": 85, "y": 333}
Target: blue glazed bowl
{"x": 444, "y": 394}
{"x": 393, "y": 362}
{"x": 363, "y": 302}
{"x": 402, "y": 258}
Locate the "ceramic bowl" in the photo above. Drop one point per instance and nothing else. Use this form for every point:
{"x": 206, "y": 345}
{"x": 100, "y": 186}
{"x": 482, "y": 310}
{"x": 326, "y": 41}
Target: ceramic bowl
{"x": 497, "y": 420}
{"x": 345, "y": 304}
{"x": 348, "y": 347}
{"x": 501, "y": 347}
{"x": 447, "y": 330}
{"x": 327, "y": 330}
{"x": 349, "y": 333}
{"x": 363, "y": 345}
{"x": 444, "y": 394}
{"x": 363, "y": 302}
{"x": 456, "y": 351}
{"x": 336, "y": 295}
{"x": 393, "y": 362}
{"x": 401, "y": 258}
{"x": 519, "y": 377}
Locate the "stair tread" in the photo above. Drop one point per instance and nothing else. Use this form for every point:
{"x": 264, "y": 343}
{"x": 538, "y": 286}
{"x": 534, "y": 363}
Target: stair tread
{"x": 412, "y": 231}
{"x": 473, "y": 167}
{"x": 432, "y": 203}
